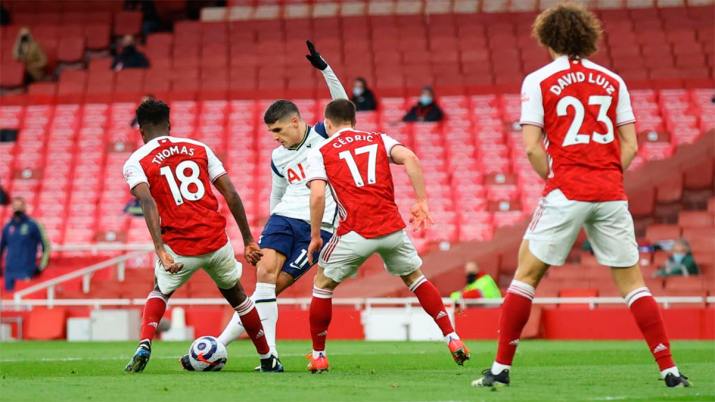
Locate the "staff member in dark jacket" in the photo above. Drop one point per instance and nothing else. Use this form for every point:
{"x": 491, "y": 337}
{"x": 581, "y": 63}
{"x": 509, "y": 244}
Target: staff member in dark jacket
{"x": 22, "y": 237}
{"x": 426, "y": 108}
{"x": 363, "y": 98}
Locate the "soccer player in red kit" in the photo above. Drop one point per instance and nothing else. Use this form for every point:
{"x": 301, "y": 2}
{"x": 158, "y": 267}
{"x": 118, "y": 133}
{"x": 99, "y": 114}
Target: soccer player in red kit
{"x": 579, "y": 134}
{"x": 171, "y": 177}
{"x": 356, "y": 165}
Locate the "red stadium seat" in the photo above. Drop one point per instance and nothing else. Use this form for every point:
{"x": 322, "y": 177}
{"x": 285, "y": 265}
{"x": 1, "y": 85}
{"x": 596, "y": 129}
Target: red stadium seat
{"x": 656, "y": 233}
{"x": 12, "y": 75}
{"x": 127, "y": 23}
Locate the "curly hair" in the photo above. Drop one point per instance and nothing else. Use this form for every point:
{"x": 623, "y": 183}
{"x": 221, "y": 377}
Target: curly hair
{"x": 568, "y": 29}
{"x": 152, "y": 112}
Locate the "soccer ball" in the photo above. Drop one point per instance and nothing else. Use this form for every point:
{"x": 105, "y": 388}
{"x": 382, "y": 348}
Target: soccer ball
{"x": 207, "y": 354}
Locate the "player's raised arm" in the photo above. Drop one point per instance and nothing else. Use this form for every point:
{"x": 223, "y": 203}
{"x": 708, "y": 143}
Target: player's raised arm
{"x": 401, "y": 155}
{"x": 151, "y": 216}
{"x": 534, "y": 144}
{"x": 228, "y": 191}
{"x": 336, "y": 87}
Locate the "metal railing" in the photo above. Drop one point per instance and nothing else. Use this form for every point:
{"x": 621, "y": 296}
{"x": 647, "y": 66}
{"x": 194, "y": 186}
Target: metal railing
{"x": 85, "y": 273}
{"x": 360, "y": 303}
{"x": 96, "y": 248}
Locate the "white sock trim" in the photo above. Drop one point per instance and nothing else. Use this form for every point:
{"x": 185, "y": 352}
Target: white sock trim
{"x": 498, "y": 368}
{"x": 450, "y": 336}
{"x": 318, "y": 353}
{"x": 672, "y": 370}
{"x": 245, "y": 307}
{"x": 155, "y": 294}
{"x": 522, "y": 289}
{"x": 417, "y": 283}
{"x": 322, "y": 293}
{"x": 636, "y": 294}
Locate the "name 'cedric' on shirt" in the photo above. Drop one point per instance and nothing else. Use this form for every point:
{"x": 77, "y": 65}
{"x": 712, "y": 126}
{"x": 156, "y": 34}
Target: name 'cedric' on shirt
{"x": 357, "y": 137}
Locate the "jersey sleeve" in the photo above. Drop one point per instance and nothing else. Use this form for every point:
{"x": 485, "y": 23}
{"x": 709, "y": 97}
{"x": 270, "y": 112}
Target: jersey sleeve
{"x": 532, "y": 107}
{"x": 624, "y": 110}
{"x": 134, "y": 173}
{"x": 316, "y": 167}
{"x": 216, "y": 168}
{"x": 334, "y": 85}
{"x": 278, "y": 188}
{"x": 389, "y": 144}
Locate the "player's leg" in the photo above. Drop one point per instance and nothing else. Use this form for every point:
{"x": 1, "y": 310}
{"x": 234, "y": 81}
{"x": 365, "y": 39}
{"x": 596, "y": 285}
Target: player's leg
{"x": 165, "y": 284}
{"x": 234, "y": 329}
{"x": 613, "y": 240}
{"x": 226, "y": 273}
{"x": 548, "y": 240}
{"x": 339, "y": 260}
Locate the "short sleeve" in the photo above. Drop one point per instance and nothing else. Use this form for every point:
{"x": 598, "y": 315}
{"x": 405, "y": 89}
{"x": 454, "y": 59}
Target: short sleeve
{"x": 389, "y": 144}
{"x": 216, "y": 168}
{"x": 316, "y": 166}
{"x": 624, "y": 110}
{"x": 134, "y": 173}
{"x": 532, "y": 108}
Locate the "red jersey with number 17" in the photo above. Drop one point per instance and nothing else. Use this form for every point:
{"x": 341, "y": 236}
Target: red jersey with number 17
{"x": 179, "y": 172}
{"x": 356, "y": 165}
{"x": 579, "y": 104}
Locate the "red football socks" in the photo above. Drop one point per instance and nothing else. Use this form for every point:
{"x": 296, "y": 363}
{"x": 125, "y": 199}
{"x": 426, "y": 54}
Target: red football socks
{"x": 321, "y": 311}
{"x": 514, "y": 314}
{"x": 647, "y": 315}
{"x": 431, "y": 302}
{"x": 252, "y": 323}
{"x": 154, "y": 309}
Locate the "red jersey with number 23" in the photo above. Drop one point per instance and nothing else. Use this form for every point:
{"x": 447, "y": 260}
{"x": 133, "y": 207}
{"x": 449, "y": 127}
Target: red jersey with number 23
{"x": 356, "y": 165}
{"x": 179, "y": 172}
{"x": 579, "y": 104}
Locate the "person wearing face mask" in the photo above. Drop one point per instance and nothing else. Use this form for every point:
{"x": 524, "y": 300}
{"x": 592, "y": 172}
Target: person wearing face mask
{"x": 362, "y": 97}
{"x": 680, "y": 262}
{"x": 426, "y": 108}
{"x": 22, "y": 237}
{"x": 129, "y": 56}
{"x": 479, "y": 285}
{"x": 28, "y": 52}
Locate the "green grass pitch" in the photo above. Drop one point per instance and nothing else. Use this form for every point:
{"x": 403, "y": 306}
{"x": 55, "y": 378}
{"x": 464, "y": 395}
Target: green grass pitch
{"x": 360, "y": 371}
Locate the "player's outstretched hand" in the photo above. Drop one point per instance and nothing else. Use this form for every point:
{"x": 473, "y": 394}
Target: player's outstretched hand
{"x": 420, "y": 217}
{"x": 316, "y": 243}
{"x": 167, "y": 261}
{"x": 314, "y": 57}
{"x": 253, "y": 253}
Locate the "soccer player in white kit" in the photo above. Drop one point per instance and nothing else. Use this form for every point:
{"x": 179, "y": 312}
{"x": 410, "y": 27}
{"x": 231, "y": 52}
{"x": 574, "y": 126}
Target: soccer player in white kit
{"x": 285, "y": 238}
{"x": 582, "y": 112}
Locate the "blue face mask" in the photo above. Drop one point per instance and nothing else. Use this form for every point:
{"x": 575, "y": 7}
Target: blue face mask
{"x": 425, "y": 100}
{"x": 678, "y": 257}
{"x": 357, "y": 91}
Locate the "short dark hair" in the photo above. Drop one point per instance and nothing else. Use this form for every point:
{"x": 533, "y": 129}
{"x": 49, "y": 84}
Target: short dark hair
{"x": 152, "y": 112}
{"x": 568, "y": 29}
{"x": 341, "y": 111}
{"x": 279, "y": 110}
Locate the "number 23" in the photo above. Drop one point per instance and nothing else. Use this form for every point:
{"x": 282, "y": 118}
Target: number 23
{"x": 572, "y": 135}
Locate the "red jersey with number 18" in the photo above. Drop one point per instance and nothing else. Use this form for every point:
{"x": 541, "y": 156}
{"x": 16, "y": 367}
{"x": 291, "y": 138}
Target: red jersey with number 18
{"x": 356, "y": 165}
{"x": 179, "y": 172}
{"x": 579, "y": 105}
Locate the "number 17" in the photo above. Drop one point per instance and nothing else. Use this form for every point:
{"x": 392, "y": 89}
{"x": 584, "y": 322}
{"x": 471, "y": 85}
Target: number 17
{"x": 371, "y": 150}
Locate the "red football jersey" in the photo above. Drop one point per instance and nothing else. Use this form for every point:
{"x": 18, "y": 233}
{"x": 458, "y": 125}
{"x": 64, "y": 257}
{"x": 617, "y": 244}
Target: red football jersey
{"x": 356, "y": 165}
{"x": 579, "y": 104}
{"x": 180, "y": 172}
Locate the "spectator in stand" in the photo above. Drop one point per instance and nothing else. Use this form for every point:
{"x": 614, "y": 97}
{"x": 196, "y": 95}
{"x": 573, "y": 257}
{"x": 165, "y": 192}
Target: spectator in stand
{"x": 426, "y": 108}
{"x": 4, "y": 16}
{"x": 29, "y": 53}
{"x": 129, "y": 56}
{"x": 22, "y": 237}
{"x": 479, "y": 285}
{"x": 363, "y": 98}
{"x": 4, "y": 197}
{"x": 680, "y": 263}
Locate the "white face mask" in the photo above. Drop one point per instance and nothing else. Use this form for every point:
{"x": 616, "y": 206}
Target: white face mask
{"x": 357, "y": 91}
{"x": 425, "y": 100}
{"x": 678, "y": 257}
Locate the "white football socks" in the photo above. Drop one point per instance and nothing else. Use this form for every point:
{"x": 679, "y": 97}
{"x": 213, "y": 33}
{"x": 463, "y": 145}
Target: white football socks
{"x": 265, "y": 298}
{"x": 317, "y": 354}
{"x": 233, "y": 330}
{"x": 673, "y": 370}
{"x": 498, "y": 368}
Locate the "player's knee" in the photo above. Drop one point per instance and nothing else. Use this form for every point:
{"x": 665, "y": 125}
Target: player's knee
{"x": 409, "y": 279}
{"x": 323, "y": 282}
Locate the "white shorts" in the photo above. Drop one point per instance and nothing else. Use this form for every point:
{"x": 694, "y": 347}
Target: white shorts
{"x": 343, "y": 255}
{"x": 221, "y": 265}
{"x": 557, "y": 221}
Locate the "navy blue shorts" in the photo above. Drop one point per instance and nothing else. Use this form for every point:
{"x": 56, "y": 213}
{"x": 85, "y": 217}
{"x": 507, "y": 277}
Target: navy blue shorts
{"x": 291, "y": 238}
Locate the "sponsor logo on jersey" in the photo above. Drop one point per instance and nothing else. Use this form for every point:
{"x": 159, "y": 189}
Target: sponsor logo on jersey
{"x": 295, "y": 175}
